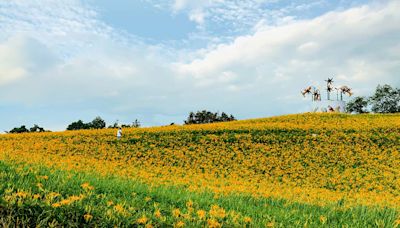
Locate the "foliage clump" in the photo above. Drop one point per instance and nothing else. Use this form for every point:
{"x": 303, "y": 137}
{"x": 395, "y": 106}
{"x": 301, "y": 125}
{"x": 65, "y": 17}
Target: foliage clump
{"x": 386, "y": 99}
{"x": 97, "y": 123}
{"x": 23, "y": 129}
{"x": 202, "y": 117}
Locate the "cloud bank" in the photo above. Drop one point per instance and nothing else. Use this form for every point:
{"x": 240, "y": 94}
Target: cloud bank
{"x": 62, "y": 63}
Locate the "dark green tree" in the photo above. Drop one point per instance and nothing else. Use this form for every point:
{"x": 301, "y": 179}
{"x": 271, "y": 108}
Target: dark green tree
{"x": 77, "y": 125}
{"x": 204, "y": 116}
{"x": 21, "y": 129}
{"x": 24, "y": 129}
{"x": 385, "y": 100}
{"x": 136, "y": 123}
{"x": 357, "y": 105}
{"x": 224, "y": 117}
{"x": 115, "y": 125}
{"x": 36, "y": 128}
{"x": 97, "y": 123}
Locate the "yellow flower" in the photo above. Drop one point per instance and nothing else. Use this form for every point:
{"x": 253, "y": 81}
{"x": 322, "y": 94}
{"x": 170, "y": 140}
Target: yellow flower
{"x": 36, "y": 196}
{"x": 142, "y": 220}
{"x": 87, "y": 186}
{"x": 201, "y": 214}
{"x": 43, "y": 177}
{"x": 87, "y": 217}
{"x": 176, "y": 212}
{"x": 397, "y": 223}
{"x": 323, "y": 219}
{"x": 40, "y": 186}
{"x": 212, "y": 223}
{"x": 147, "y": 199}
{"x": 21, "y": 194}
{"x": 179, "y": 224}
{"x": 56, "y": 205}
{"x": 119, "y": 208}
{"x": 217, "y": 212}
{"x": 76, "y": 198}
{"x": 157, "y": 213}
{"x": 66, "y": 202}
{"x": 247, "y": 219}
{"x": 189, "y": 204}
{"x": 270, "y": 224}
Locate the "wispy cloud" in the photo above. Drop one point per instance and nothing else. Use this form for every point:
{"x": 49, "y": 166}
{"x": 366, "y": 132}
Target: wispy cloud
{"x": 59, "y": 56}
{"x": 286, "y": 56}
{"x": 233, "y": 18}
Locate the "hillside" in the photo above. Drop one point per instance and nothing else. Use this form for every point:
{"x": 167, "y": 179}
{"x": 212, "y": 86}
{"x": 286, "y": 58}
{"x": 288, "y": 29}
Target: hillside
{"x": 318, "y": 165}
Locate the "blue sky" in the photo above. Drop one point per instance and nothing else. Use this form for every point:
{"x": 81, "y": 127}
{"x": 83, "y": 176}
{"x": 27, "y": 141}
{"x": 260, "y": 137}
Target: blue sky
{"x": 64, "y": 60}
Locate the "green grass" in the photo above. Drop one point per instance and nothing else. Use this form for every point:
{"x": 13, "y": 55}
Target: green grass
{"x": 132, "y": 196}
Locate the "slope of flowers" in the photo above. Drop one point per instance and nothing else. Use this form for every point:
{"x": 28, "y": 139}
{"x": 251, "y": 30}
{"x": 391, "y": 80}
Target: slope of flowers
{"x": 315, "y": 158}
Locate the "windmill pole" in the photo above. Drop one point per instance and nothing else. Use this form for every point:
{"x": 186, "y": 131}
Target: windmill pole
{"x": 337, "y": 94}
{"x": 312, "y": 95}
{"x": 327, "y": 90}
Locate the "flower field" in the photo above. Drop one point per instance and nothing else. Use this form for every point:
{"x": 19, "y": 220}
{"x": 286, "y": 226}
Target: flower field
{"x": 295, "y": 170}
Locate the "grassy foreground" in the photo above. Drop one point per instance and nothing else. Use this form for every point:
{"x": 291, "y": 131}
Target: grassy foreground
{"x": 35, "y": 196}
{"x": 313, "y": 170}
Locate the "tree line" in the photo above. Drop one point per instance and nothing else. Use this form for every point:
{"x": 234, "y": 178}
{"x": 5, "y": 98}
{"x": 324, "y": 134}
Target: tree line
{"x": 99, "y": 123}
{"x": 385, "y": 99}
{"x": 204, "y": 116}
{"x": 200, "y": 117}
{"x": 23, "y": 129}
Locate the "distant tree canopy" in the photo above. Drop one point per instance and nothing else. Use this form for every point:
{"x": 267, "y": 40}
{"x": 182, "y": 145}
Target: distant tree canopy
{"x": 385, "y": 100}
{"x": 357, "y": 105}
{"x": 135, "y": 124}
{"x": 97, "y": 123}
{"x": 205, "y": 116}
{"x": 23, "y": 129}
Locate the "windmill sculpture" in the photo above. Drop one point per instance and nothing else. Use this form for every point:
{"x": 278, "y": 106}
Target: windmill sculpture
{"x": 329, "y": 103}
{"x": 345, "y": 90}
{"x": 329, "y": 87}
{"x": 315, "y": 94}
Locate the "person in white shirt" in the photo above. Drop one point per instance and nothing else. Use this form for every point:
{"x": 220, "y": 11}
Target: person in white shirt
{"x": 119, "y": 133}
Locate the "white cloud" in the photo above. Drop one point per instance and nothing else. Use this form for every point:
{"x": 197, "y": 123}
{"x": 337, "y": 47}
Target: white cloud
{"x": 60, "y": 56}
{"x": 66, "y": 27}
{"x": 231, "y": 17}
{"x": 19, "y": 56}
{"x": 357, "y": 44}
{"x": 197, "y": 16}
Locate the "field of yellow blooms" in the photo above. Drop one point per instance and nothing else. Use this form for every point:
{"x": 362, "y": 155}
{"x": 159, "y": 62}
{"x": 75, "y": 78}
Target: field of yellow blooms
{"x": 295, "y": 170}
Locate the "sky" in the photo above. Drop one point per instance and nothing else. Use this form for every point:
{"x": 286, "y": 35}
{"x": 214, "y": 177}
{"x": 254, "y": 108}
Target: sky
{"x": 155, "y": 61}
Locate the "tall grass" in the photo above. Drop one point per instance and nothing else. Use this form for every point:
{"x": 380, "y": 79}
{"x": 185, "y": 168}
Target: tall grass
{"x": 114, "y": 201}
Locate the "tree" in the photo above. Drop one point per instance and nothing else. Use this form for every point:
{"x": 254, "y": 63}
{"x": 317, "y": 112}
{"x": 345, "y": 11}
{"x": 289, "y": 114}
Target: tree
{"x": 21, "y": 129}
{"x": 357, "y": 105}
{"x": 385, "y": 100}
{"x": 97, "y": 123}
{"x": 224, "y": 117}
{"x": 36, "y": 128}
{"x": 24, "y": 129}
{"x": 77, "y": 125}
{"x": 136, "y": 123}
{"x": 205, "y": 116}
{"x": 115, "y": 125}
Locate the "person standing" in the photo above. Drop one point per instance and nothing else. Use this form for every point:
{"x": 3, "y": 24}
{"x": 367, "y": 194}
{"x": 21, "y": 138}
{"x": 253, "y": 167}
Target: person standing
{"x": 119, "y": 133}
